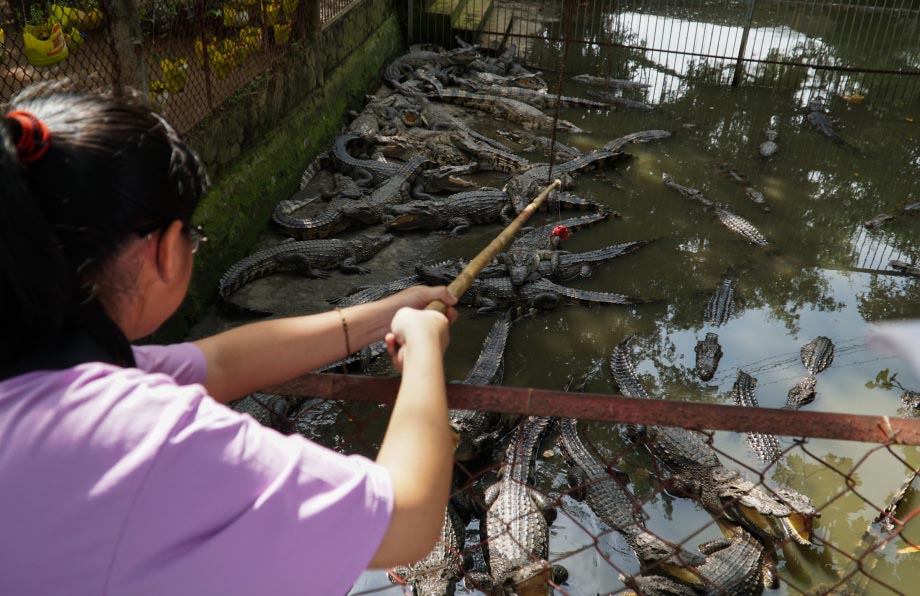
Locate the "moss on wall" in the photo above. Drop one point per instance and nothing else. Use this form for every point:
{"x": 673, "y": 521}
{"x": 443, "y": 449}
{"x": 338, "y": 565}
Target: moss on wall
{"x": 238, "y": 207}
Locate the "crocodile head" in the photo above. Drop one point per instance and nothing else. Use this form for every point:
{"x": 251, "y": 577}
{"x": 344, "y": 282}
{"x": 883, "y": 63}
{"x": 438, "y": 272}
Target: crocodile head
{"x": 445, "y": 178}
{"x": 529, "y": 81}
{"x": 373, "y": 243}
{"x": 362, "y": 212}
{"x": 413, "y": 216}
{"x": 520, "y": 264}
{"x": 462, "y": 55}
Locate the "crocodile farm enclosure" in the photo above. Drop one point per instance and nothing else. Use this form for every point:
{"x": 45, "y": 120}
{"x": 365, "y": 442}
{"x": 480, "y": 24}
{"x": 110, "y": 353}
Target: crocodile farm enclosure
{"x": 724, "y": 245}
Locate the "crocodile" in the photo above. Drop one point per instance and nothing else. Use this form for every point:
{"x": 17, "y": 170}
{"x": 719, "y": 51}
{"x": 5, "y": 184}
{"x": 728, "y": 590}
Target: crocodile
{"x": 757, "y": 198}
{"x": 569, "y": 265}
{"x": 801, "y": 394}
{"x": 655, "y": 585}
{"x": 821, "y": 121}
{"x": 766, "y": 446}
{"x": 305, "y": 194}
{"x": 368, "y": 170}
{"x": 721, "y": 305}
{"x": 618, "y": 509}
{"x": 531, "y": 142}
{"x": 609, "y": 82}
{"x": 726, "y": 170}
{"x": 693, "y": 194}
{"x": 406, "y": 64}
{"x": 505, "y": 108}
{"x": 455, "y": 213}
{"x": 360, "y": 360}
{"x": 436, "y": 117}
{"x": 558, "y": 265}
{"x": 904, "y": 267}
{"x": 364, "y": 125}
{"x": 273, "y": 411}
{"x": 479, "y": 430}
{"x": 475, "y": 79}
{"x": 365, "y": 294}
{"x": 643, "y": 136}
{"x": 769, "y": 147}
{"x": 817, "y": 355}
{"x": 516, "y": 527}
{"x": 488, "y": 294}
{"x": 437, "y": 573}
{"x": 392, "y": 192}
{"x": 311, "y": 258}
{"x": 697, "y": 471}
{"x": 322, "y": 225}
{"x": 740, "y": 226}
{"x": 524, "y": 187}
{"x": 878, "y": 220}
{"x": 526, "y": 253}
{"x": 540, "y": 99}
{"x": 708, "y": 353}
{"x": 616, "y": 100}
{"x": 737, "y": 565}
{"x": 489, "y": 157}
{"x": 526, "y": 263}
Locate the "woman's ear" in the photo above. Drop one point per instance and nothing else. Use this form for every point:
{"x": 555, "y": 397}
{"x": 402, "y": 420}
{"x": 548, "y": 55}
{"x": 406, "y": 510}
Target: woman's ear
{"x": 172, "y": 251}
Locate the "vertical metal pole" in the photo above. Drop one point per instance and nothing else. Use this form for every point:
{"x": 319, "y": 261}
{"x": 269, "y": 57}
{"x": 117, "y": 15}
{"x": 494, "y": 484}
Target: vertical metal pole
{"x": 739, "y": 66}
{"x": 411, "y": 28}
{"x": 126, "y": 38}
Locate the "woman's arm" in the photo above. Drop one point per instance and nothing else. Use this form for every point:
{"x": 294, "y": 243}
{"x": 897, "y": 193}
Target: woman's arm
{"x": 418, "y": 446}
{"x": 259, "y": 355}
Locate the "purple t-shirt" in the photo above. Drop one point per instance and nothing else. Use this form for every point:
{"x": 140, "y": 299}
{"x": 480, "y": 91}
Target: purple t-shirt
{"x": 134, "y": 481}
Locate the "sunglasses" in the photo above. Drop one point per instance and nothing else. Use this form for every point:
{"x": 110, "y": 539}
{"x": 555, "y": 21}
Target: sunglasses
{"x": 196, "y": 235}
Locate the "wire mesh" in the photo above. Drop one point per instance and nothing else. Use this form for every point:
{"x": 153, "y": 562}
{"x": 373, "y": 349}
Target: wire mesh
{"x": 840, "y": 47}
{"x": 599, "y": 507}
{"x": 42, "y": 41}
{"x": 199, "y": 52}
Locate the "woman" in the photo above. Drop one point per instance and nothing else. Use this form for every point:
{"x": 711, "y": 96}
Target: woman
{"x": 122, "y": 473}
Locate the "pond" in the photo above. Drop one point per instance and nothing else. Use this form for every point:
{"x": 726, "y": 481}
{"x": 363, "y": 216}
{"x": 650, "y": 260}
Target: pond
{"x": 824, "y": 272}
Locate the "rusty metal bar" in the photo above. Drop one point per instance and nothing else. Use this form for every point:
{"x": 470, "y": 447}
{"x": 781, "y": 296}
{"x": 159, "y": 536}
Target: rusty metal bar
{"x": 619, "y": 409}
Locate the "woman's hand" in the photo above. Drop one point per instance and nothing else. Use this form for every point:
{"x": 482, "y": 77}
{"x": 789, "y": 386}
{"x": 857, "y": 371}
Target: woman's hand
{"x": 421, "y": 296}
{"x": 416, "y": 329}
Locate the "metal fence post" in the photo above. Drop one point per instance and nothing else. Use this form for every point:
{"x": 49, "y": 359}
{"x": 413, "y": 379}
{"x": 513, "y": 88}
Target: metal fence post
{"x": 739, "y": 66}
{"x": 411, "y": 13}
{"x": 127, "y": 44}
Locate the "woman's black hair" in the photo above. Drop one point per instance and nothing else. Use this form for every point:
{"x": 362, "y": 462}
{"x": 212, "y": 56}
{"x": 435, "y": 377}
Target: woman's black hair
{"x": 114, "y": 170}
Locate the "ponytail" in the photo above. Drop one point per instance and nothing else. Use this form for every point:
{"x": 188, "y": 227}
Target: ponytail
{"x": 82, "y": 174}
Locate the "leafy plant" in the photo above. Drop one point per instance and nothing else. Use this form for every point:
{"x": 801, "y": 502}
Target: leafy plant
{"x": 883, "y": 381}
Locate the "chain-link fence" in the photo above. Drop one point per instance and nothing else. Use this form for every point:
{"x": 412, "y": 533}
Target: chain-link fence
{"x": 50, "y": 41}
{"x": 607, "y": 495}
{"x": 847, "y": 47}
{"x": 198, "y": 52}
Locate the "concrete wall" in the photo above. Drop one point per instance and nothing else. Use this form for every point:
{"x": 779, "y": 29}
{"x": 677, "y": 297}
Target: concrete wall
{"x": 257, "y": 144}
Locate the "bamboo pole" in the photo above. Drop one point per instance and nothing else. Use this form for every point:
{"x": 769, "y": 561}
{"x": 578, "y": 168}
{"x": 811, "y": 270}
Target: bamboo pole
{"x": 464, "y": 279}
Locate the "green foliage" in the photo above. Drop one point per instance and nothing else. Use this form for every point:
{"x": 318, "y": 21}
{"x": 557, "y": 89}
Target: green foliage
{"x": 883, "y": 381}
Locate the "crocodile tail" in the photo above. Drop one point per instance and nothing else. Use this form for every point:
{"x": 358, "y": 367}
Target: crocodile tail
{"x": 624, "y": 372}
{"x": 588, "y": 296}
